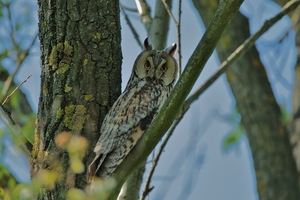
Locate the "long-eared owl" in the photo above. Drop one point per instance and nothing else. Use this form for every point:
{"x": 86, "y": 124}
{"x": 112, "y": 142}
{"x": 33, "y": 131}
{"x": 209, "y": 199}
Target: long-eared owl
{"x": 153, "y": 76}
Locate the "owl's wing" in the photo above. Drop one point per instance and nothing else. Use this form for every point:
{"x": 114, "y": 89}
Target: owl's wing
{"x": 130, "y": 115}
{"x": 133, "y": 107}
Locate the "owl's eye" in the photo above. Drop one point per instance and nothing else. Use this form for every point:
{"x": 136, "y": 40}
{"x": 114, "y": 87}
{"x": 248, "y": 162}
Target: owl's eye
{"x": 147, "y": 65}
{"x": 164, "y": 68}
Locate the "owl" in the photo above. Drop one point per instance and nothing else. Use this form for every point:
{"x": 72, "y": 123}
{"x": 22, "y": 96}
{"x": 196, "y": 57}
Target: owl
{"x": 152, "y": 79}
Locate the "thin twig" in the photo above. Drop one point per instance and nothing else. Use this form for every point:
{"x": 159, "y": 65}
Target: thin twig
{"x": 240, "y": 51}
{"x": 147, "y": 189}
{"x": 169, "y": 11}
{"x": 8, "y": 97}
{"x": 12, "y": 30}
{"x": 177, "y": 24}
{"x": 179, "y": 37}
{"x": 127, "y": 8}
{"x": 19, "y": 60}
{"x": 135, "y": 34}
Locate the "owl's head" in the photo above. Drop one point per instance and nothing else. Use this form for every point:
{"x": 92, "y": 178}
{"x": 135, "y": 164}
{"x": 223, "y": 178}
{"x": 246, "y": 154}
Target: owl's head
{"x": 157, "y": 65}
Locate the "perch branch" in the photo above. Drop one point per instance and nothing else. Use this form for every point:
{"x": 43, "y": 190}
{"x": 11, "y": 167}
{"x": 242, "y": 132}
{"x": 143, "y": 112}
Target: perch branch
{"x": 225, "y": 12}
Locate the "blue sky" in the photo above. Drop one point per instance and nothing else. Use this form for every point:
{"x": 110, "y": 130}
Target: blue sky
{"x": 195, "y": 164}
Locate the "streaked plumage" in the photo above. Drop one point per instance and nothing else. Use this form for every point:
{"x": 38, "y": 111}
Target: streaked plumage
{"x": 153, "y": 76}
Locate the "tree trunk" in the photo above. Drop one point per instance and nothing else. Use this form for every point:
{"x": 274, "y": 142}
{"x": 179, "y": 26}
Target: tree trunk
{"x": 80, "y": 79}
{"x": 274, "y": 165}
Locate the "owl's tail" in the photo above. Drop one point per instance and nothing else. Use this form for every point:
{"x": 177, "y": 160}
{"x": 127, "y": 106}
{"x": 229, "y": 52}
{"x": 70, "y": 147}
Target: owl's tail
{"x": 94, "y": 167}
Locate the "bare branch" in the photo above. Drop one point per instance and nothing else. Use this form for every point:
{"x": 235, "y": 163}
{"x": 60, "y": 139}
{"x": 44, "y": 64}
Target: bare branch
{"x": 159, "y": 29}
{"x": 19, "y": 61}
{"x": 147, "y": 188}
{"x": 159, "y": 24}
{"x": 158, "y": 126}
{"x": 12, "y": 30}
{"x": 145, "y": 13}
{"x": 169, "y": 12}
{"x": 135, "y": 34}
{"x": 129, "y": 9}
{"x": 8, "y": 97}
{"x": 240, "y": 51}
{"x": 178, "y": 25}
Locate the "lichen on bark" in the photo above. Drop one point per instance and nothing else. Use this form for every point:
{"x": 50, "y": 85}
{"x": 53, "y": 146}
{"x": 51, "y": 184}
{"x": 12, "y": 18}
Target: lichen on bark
{"x": 80, "y": 69}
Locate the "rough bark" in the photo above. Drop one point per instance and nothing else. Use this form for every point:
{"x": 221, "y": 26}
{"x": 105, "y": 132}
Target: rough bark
{"x": 260, "y": 114}
{"x": 80, "y": 80}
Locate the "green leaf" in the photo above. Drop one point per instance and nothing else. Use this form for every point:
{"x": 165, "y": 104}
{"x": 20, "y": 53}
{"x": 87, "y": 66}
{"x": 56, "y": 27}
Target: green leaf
{"x": 233, "y": 137}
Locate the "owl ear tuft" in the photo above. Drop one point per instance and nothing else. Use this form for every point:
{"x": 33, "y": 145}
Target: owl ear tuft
{"x": 147, "y": 45}
{"x": 171, "y": 49}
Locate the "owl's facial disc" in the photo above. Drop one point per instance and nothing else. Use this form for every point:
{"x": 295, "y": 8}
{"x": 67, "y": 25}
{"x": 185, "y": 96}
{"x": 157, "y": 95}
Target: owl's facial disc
{"x": 156, "y": 65}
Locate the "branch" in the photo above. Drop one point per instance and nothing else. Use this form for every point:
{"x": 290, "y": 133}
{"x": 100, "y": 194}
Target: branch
{"x": 240, "y": 51}
{"x": 8, "y": 97}
{"x": 147, "y": 188}
{"x": 158, "y": 31}
{"x": 194, "y": 67}
{"x": 15, "y": 130}
{"x": 135, "y": 34}
{"x": 144, "y": 11}
{"x": 169, "y": 11}
{"x": 179, "y": 37}
{"x": 170, "y": 110}
{"x": 131, "y": 188}
{"x": 19, "y": 60}
{"x": 127, "y": 8}
{"x": 161, "y": 20}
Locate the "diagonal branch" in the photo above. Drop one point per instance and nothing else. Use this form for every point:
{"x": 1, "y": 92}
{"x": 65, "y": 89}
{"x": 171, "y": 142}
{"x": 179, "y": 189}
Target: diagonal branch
{"x": 147, "y": 187}
{"x": 195, "y": 64}
{"x": 169, "y": 12}
{"x": 168, "y": 113}
{"x": 240, "y": 51}
{"x": 135, "y": 34}
{"x": 19, "y": 61}
{"x": 8, "y": 97}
